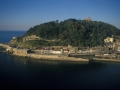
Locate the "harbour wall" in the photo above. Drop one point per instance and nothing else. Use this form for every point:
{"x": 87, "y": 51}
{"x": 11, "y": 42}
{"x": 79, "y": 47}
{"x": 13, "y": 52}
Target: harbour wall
{"x": 23, "y": 53}
{"x": 52, "y": 57}
{"x": 106, "y": 60}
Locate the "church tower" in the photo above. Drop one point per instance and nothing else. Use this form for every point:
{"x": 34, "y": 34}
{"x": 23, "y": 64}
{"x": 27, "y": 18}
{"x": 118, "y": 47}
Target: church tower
{"x": 88, "y": 18}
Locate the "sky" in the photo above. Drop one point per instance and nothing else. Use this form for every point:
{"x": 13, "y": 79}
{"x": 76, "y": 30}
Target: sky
{"x": 24, "y": 14}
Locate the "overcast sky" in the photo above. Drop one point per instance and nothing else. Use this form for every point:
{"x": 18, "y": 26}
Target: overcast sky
{"x": 23, "y": 14}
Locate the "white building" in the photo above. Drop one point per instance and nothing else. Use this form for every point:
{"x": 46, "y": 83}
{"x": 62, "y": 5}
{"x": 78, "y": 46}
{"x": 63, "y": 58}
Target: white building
{"x": 57, "y": 51}
{"x": 108, "y": 39}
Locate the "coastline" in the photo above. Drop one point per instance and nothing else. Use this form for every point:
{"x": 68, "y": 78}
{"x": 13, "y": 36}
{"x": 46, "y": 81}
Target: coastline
{"x": 10, "y": 50}
{"x": 42, "y": 57}
{"x": 52, "y": 57}
{"x": 106, "y": 60}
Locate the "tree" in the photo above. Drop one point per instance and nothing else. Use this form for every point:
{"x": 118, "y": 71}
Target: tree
{"x": 74, "y": 32}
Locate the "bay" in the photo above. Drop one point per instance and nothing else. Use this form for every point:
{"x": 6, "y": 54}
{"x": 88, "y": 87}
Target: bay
{"x": 26, "y": 73}
{"x": 6, "y": 36}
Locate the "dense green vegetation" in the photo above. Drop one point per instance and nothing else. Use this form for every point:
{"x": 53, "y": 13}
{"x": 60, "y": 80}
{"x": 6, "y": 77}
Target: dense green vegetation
{"x": 74, "y": 32}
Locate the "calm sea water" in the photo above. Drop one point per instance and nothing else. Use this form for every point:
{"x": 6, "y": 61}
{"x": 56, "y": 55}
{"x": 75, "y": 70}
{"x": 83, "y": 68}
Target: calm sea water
{"x": 26, "y": 73}
{"x": 6, "y": 36}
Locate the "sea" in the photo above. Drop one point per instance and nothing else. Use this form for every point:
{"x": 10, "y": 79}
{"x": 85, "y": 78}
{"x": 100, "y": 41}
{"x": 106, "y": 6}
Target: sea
{"x": 26, "y": 73}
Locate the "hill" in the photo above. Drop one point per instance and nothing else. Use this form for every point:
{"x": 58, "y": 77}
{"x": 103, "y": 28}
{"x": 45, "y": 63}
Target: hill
{"x": 72, "y": 32}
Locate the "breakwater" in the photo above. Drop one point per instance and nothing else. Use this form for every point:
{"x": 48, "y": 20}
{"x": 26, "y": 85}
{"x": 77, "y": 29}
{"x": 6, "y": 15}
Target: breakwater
{"x": 52, "y": 57}
{"x": 106, "y": 60}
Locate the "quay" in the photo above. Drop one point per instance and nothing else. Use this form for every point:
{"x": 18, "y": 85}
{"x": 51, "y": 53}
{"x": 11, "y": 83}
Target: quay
{"x": 82, "y": 54}
{"x": 24, "y": 53}
{"x": 53, "y": 57}
{"x": 105, "y": 60}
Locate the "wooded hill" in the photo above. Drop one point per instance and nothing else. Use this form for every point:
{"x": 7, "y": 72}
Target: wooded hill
{"x": 74, "y": 32}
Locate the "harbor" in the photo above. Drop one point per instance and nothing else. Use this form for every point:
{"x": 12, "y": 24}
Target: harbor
{"x": 26, "y": 53}
{"x": 105, "y": 60}
{"x": 59, "y": 57}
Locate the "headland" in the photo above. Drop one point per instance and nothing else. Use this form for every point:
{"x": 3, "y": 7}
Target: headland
{"x": 68, "y": 39}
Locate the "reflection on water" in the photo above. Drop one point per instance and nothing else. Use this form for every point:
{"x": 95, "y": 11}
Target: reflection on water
{"x": 46, "y": 62}
{"x": 31, "y": 73}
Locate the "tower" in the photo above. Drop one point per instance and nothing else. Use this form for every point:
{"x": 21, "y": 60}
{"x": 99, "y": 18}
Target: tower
{"x": 88, "y": 18}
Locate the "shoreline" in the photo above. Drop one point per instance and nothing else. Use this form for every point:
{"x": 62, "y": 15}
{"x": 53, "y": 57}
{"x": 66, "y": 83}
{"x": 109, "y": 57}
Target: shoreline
{"x": 52, "y": 57}
{"x": 10, "y": 50}
{"x": 106, "y": 60}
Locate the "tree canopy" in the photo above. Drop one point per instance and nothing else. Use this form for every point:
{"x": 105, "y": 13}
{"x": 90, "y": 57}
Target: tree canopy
{"x": 75, "y": 32}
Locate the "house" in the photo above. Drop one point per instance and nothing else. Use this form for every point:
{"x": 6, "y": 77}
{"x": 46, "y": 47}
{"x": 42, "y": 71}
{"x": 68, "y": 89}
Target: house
{"x": 65, "y": 50}
{"x": 71, "y": 51}
{"x": 21, "y": 51}
{"x": 46, "y": 50}
{"x": 108, "y": 40}
{"x": 57, "y": 51}
{"x": 14, "y": 37}
{"x": 83, "y": 50}
{"x": 31, "y": 37}
{"x": 117, "y": 47}
{"x": 117, "y": 42}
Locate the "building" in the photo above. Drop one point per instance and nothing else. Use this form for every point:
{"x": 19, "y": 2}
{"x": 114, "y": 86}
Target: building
{"x": 57, "y": 51}
{"x": 46, "y": 50}
{"x": 117, "y": 48}
{"x": 21, "y": 51}
{"x": 88, "y": 18}
{"x": 14, "y": 37}
{"x": 65, "y": 50}
{"x": 108, "y": 40}
{"x": 31, "y": 37}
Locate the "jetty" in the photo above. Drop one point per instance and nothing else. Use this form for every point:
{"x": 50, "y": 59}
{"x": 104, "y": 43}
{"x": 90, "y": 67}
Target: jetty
{"x": 82, "y": 54}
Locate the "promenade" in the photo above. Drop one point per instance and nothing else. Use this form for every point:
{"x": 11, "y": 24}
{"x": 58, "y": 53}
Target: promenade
{"x": 22, "y": 53}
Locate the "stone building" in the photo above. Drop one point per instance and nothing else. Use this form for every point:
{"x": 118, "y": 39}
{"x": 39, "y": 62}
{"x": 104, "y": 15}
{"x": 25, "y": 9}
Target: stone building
{"x": 20, "y": 51}
{"x": 31, "y": 37}
{"x": 117, "y": 45}
{"x": 108, "y": 40}
{"x": 57, "y": 51}
{"x": 88, "y": 18}
{"x": 47, "y": 50}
